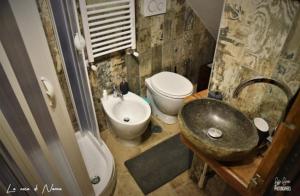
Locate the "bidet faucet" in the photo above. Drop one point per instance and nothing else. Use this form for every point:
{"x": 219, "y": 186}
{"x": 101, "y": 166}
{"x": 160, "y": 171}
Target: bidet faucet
{"x": 117, "y": 92}
{"x": 281, "y": 85}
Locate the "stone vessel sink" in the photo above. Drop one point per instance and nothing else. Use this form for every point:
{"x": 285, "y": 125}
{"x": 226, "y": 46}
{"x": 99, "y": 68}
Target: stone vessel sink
{"x": 218, "y": 129}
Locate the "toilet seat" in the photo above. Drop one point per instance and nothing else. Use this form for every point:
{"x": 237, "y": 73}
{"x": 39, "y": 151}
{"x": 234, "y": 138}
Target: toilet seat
{"x": 171, "y": 85}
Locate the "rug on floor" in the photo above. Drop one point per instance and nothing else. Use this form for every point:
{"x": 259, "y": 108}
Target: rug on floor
{"x": 160, "y": 164}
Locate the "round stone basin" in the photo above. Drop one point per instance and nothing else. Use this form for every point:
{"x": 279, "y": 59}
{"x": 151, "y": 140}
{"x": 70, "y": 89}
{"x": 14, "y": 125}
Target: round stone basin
{"x": 218, "y": 129}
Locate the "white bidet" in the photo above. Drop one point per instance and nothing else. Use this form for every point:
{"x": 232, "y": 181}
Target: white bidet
{"x": 128, "y": 116}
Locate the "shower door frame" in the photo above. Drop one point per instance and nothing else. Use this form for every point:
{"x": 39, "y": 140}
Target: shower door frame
{"x": 65, "y": 22}
{"x": 25, "y": 18}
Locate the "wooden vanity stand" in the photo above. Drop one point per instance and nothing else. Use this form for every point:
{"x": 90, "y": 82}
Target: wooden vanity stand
{"x": 252, "y": 176}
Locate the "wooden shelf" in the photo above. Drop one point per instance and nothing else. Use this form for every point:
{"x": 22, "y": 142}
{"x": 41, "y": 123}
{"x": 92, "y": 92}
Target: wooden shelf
{"x": 263, "y": 168}
{"x": 238, "y": 175}
{"x": 201, "y": 94}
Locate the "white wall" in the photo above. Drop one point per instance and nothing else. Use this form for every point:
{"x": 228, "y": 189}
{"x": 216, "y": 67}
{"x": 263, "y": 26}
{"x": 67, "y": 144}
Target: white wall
{"x": 209, "y": 11}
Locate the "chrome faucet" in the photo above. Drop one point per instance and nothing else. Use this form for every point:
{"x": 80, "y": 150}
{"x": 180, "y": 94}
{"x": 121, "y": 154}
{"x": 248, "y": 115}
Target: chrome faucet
{"x": 117, "y": 92}
{"x": 281, "y": 85}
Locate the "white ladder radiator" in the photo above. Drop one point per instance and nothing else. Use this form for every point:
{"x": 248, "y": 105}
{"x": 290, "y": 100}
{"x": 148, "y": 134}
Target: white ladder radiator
{"x": 108, "y": 26}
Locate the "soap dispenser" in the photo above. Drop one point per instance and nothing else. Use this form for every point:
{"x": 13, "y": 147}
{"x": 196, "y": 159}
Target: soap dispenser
{"x": 105, "y": 96}
{"x": 124, "y": 88}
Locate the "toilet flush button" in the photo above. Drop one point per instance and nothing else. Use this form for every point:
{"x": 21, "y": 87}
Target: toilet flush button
{"x": 154, "y": 7}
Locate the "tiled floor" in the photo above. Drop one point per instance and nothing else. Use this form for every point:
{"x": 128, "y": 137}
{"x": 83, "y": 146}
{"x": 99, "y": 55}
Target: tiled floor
{"x": 182, "y": 185}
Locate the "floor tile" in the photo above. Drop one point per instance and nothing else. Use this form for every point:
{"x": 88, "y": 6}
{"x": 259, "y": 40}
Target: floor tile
{"x": 182, "y": 185}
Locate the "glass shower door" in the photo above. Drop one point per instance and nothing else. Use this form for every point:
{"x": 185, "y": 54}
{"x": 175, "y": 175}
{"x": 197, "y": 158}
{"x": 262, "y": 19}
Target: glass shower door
{"x": 67, "y": 26}
{"x": 35, "y": 126}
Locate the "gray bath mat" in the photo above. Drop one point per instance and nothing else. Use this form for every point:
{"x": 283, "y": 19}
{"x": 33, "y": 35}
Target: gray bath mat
{"x": 160, "y": 164}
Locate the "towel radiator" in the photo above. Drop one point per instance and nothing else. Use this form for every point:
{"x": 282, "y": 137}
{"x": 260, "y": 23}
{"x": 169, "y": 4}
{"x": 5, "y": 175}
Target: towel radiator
{"x": 108, "y": 26}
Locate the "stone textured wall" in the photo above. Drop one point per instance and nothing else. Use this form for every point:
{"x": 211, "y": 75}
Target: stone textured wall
{"x": 287, "y": 70}
{"x": 175, "y": 40}
{"x": 258, "y": 38}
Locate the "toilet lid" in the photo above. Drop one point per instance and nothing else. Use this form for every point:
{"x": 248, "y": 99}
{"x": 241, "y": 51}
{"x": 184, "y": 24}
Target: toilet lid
{"x": 171, "y": 84}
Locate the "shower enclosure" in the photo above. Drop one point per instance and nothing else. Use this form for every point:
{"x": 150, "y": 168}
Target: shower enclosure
{"x": 66, "y": 23}
{"x": 39, "y": 150}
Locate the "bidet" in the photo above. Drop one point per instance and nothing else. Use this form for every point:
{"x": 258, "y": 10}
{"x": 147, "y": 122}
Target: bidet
{"x": 128, "y": 118}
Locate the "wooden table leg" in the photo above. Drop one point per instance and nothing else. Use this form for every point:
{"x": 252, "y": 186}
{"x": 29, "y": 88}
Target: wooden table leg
{"x": 202, "y": 177}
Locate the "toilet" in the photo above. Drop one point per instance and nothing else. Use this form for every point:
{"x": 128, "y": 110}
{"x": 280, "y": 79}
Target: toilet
{"x": 166, "y": 92}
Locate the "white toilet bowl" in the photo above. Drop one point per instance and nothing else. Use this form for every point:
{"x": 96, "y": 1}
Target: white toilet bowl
{"x": 166, "y": 91}
{"x": 128, "y": 117}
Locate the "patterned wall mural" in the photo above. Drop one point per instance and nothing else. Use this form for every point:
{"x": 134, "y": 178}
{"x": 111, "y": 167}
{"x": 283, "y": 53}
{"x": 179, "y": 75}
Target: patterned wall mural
{"x": 258, "y": 38}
